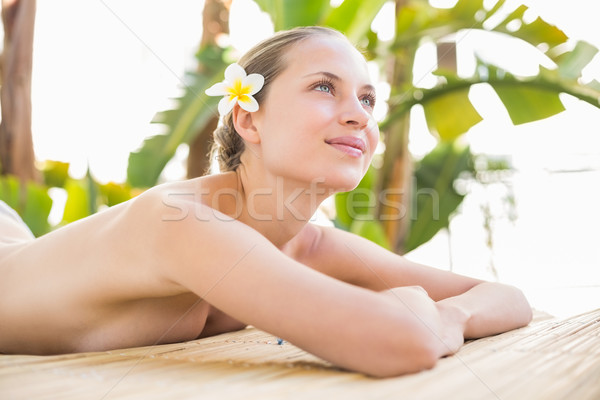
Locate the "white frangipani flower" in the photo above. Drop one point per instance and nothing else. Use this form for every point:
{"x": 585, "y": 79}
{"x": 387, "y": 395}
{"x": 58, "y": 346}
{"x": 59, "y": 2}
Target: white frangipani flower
{"x": 237, "y": 87}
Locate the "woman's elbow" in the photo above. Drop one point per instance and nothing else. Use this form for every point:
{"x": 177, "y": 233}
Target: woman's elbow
{"x": 521, "y": 309}
{"x": 411, "y": 338}
{"x": 421, "y": 356}
{"x": 415, "y": 350}
{"x": 526, "y": 312}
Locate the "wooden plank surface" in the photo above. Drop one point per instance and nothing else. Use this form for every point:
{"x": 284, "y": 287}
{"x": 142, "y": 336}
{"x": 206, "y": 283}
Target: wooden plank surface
{"x": 549, "y": 359}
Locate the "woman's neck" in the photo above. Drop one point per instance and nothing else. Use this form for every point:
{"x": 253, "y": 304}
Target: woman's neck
{"x": 276, "y": 206}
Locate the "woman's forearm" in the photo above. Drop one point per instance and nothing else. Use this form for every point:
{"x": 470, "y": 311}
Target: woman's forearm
{"x": 491, "y": 308}
{"x": 440, "y": 325}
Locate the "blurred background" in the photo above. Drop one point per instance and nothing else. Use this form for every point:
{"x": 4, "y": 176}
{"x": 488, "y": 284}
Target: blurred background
{"x": 458, "y": 96}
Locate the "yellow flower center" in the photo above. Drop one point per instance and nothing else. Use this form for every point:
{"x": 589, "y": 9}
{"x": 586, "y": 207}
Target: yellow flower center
{"x": 238, "y": 90}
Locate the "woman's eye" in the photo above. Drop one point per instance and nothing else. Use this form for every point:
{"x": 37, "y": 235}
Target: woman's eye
{"x": 368, "y": 101}
{"x": 323, "y": 88}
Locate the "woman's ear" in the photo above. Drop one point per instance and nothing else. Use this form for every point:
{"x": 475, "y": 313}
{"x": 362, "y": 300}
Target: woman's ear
{"x": 244, "y": 125}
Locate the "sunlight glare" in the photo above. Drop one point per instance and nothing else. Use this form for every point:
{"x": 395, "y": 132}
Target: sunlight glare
{"x": 384, "y": 23}
{"x": 248, "y": 25}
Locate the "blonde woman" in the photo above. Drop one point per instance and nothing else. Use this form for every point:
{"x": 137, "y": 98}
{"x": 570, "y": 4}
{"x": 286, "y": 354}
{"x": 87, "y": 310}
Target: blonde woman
{"x": 196, "y": 258}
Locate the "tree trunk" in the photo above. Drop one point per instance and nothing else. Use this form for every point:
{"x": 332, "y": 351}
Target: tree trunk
{"x": 16, "y": 143}
{"x": 394, "y": 207}
{"x": 215, "y": 20}
{"x": 394, "y": 186}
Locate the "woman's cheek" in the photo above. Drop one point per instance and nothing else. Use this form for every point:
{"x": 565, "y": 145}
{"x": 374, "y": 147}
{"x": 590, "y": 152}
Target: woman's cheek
{"x": 373, "y": 137}
{"x": 319, "y": 110}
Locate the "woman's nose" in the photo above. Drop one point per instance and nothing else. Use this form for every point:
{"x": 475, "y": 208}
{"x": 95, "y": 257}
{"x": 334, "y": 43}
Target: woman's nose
{"x": 354, "y": 114}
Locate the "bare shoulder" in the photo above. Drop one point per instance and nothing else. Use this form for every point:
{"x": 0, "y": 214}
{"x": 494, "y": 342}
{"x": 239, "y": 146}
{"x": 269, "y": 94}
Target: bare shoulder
{"x": 113, "y": 253}
{"x": 176, "y": 201}
{"x": 193, "y": 227}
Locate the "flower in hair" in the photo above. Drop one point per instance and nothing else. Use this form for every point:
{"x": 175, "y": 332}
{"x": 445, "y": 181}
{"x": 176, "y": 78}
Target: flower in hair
{"x": 237, "y": 87}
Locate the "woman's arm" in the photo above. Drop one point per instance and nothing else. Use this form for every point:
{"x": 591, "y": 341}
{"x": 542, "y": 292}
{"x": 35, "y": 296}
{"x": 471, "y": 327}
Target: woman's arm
{"x": 491, "y": 307}
{"x": 238, "y": 271}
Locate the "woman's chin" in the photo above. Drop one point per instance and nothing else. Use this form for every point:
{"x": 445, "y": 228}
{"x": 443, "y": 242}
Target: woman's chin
{"x": 340, "y": 180}
{"x": 345, "y": 184}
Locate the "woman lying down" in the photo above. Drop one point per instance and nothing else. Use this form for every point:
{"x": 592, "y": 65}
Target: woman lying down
{"x": 191, "y": 259}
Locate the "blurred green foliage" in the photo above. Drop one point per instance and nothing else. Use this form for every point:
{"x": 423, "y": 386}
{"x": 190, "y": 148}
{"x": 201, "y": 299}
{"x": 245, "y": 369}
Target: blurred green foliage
{"x": 84, "y": 196}
{"x": 448, "y": 109}
{"x": 447, "y": 106}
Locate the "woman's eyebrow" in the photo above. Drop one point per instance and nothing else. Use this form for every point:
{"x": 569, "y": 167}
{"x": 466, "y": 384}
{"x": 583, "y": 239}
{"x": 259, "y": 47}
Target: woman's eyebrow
{"x": 327, "y": 74}
{"x": 334, "y": 77}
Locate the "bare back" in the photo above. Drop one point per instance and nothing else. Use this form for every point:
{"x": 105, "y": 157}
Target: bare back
{"x": 95, "y": 284}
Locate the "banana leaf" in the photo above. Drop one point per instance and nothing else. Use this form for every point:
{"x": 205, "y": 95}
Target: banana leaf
{"x": 435, "y": 198}
{"x": 193, "y": 111}
{"x": 287, "y": 14}
{"x": 526, "y": 104}
{"x": 352, "y": 17}
{"x": 34, "y": 208}
{"x": 451, "y": 114}
{"x": 358, "y": 203}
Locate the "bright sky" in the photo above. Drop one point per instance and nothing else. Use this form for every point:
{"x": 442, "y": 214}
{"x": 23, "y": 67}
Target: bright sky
{"x": 102, "y": 69}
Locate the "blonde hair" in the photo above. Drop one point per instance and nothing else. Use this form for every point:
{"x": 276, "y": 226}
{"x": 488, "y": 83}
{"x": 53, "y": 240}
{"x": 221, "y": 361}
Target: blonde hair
{"x": 265, "y": 58}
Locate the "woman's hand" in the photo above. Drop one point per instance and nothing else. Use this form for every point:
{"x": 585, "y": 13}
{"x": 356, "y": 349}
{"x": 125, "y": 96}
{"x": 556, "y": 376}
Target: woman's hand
{"x": 446, "y": 321}
{"x": 454, "y": 320}
{"x": 491, "y": 308}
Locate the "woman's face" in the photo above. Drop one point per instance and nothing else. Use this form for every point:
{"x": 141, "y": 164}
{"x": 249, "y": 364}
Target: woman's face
{"x": 316, "y": 123}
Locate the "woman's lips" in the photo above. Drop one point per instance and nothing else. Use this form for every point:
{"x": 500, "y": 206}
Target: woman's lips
{"x": 351, "y": 145}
